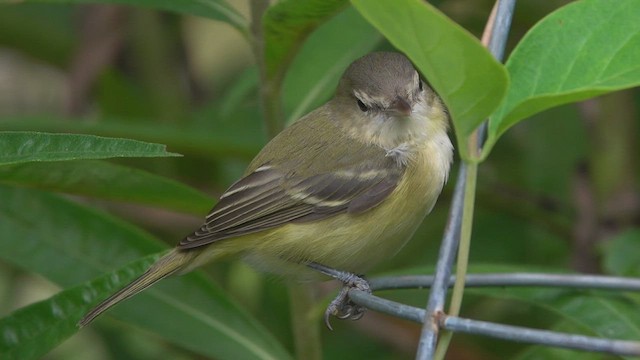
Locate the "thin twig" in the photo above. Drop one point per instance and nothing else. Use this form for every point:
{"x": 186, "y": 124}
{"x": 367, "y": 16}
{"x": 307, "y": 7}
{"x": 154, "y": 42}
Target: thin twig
{"x": 446, "y": 257}
{"x": 385, "y": 306}
{"x": 542, "y": 337}
{"x": 574, "y": 281}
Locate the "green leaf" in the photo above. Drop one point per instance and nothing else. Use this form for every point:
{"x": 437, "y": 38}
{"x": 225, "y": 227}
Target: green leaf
{"x": 89, "y": 178}
{"x": 286, "y": 25}
{"x": 585, "y": 49}
{"x": 467, "y": 77}
{"x": 21, "y": 147}
{"x": 212, "y": 9}
{"x": 622, "y": 254}
{"x": 22, "y": 29}
{"x": 315, "y": 71}
{"x": 32, "y": 331}
{"x": 65, "y": 242}
{"x": 68, "y": 243}
{"x": 219, "y": 142}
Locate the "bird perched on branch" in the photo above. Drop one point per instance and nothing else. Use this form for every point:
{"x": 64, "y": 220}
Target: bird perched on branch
{"x": 338, "y": 191}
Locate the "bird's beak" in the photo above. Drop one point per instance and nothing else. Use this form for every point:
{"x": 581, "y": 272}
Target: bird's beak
{"x": 400, "y": 107}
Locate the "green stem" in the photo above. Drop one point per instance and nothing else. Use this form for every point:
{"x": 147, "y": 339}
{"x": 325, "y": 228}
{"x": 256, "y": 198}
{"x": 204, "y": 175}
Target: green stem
{"x": 271, "y": 91}
{"x": 270, "y": 84}
{"x": 154, "y": 47}
{"x": 463, "y": 255}
{"x": 306, "y": 328}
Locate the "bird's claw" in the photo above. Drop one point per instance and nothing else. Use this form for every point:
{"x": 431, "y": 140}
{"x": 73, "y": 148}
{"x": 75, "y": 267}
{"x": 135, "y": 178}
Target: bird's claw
{"x": 342, "y": 307}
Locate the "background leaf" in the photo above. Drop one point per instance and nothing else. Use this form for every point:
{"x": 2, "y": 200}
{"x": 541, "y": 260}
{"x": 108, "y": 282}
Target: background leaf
{"x": 313, "y": 76}
{"x": 286, "y": 25}
{"x": 21, "y": 29}
{"x": 213, "y": 9}
{"x": 32, "y": 331}
{"x": 220, "y": 141}
{"x": 20, "y": 147}
{"x": 196, "y": 314}
{"x": 586, "y": 49}
{"x": 100, "y": 179}
{"x": 622, "y": 254}
{"x": 469, "y": 80}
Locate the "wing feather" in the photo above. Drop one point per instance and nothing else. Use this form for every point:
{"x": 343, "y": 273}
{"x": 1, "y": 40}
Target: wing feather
{"x": 268, "y": 198}
{"x": 271, "y": 194}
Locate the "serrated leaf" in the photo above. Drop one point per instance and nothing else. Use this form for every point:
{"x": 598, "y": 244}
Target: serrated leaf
{"x": 223, "y": 142}
{"x": 68, "y": 244}
{"x": 213, "y": 9}
{"x": 585, "y": 49}
{"x": 467, "y": 77}
{"x": 100, "y": 179}
{"x": 32, "y": 331}
{"x": 24, "y": 146}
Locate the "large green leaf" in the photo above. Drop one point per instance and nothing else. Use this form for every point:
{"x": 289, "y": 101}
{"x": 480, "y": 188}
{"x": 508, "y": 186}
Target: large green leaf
{"x": 286, "y": 25}
{"x": 213, "y": 9}
{"x": 23, "y": 146}
{"x": 469, "y": 80}
{"x": 221, "y": 141}
{"x": 585, "y": 49}
{"x": 68, "y": 244}
{"x": 314, "y": 73}
{"x": 32, "y": 331}
{"x": 101, "y": 179}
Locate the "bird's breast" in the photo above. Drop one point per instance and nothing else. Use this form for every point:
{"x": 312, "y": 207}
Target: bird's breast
{"x": 357, "y": 242}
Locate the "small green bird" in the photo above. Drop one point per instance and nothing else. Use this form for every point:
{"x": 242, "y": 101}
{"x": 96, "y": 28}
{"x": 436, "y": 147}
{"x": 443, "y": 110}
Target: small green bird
{"x": 344, "y": 187}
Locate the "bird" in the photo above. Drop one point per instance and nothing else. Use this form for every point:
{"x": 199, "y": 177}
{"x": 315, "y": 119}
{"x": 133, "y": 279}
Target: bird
{"x": 335, "y": 193}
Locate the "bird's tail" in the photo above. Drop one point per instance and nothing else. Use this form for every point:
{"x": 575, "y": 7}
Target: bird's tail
{"x": 169, "y": 264}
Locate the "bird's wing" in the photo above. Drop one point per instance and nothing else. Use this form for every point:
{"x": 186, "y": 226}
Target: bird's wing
{"x": 269, "y": 196}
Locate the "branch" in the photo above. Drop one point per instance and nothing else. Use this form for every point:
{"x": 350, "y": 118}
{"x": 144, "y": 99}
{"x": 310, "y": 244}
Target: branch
{"x": 506, "y": 332}
{"x": 513, "y": 279}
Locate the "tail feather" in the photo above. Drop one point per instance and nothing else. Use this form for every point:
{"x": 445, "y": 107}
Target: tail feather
{"x": 169, "y": 264}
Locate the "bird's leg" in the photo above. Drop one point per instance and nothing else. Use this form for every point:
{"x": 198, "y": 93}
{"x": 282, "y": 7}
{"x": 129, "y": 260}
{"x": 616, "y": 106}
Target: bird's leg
{"x": 342, "y": 307}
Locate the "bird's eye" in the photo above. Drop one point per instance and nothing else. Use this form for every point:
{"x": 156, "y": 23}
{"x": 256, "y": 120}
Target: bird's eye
{"x": 419, "y": 84}
{"x": 362, "y": 106}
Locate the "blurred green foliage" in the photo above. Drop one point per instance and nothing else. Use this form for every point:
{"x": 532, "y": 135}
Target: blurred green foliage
{"x": 128, "y": 75}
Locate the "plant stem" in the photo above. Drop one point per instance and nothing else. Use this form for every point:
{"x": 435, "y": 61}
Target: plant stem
{"x": 463, "y": 254}
{"x": 494, "y": 38}
{"x": 270, "y": 84}
{"x": 305, "y": 327}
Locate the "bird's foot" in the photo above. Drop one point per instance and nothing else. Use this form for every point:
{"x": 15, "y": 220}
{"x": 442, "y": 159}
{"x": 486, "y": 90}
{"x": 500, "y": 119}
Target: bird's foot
{"x": 342, "y": 307}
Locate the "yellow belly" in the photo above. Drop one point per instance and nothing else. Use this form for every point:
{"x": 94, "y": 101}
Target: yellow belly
{"x": 354, "y": 243}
